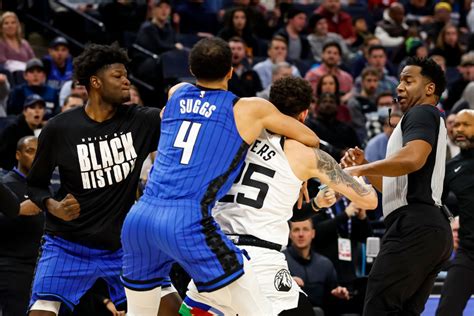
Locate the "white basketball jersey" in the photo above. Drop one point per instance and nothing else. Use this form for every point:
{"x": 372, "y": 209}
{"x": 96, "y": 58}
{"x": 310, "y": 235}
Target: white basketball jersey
{"x": 261, "y": 199}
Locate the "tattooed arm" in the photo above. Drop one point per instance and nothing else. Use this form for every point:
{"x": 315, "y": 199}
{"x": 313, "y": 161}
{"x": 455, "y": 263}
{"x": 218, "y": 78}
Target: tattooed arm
{"x": 330, "y": 173}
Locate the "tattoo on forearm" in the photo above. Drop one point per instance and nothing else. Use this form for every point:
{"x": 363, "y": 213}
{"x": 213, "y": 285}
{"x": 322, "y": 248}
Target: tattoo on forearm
{"x": 326, "y": 164}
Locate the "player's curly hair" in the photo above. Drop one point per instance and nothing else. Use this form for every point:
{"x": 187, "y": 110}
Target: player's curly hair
{"x": 430, "y": 70}
{"x": 94, "y": 58}
{"x": 210, "y": 59}
{"x": 291, "y": 95}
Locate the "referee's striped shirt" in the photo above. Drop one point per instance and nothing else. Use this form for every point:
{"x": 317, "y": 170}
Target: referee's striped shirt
{"x": 422, "y": 122}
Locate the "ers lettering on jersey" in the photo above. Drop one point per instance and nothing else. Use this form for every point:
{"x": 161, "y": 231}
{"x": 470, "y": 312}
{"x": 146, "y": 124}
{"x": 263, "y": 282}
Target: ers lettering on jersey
{"x": 106, "y": 160}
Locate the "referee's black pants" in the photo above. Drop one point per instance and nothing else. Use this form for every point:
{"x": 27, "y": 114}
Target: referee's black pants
{"x": 417, "y": 242}
{"x": 459, "y": 285}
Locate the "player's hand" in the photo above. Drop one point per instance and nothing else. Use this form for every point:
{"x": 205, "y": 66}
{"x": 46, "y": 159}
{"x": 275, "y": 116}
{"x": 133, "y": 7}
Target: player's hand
{"x": 28, "y": 208}
{"x": 303, "y": 195}
{"x": 326, "y": 198}
{"x": 353, "y": 157}
{"x": 341, "y": 292}
{"x": 351, "y": 210}
{"x": 111, "y": 307}
{"x": 68, "y": 209}
{"x": 299, "y": 281}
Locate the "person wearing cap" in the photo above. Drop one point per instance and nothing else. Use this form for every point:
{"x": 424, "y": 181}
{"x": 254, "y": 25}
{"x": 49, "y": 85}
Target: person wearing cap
{"x": 35, "y": 77}
{"x": 320, "y": 35}
{"x": 298, "y": 45}
{"x": 24, "y": 125}
{"x": 442, "y": 16}
{"x": 58, "y": 63}
{"x": 466, "y": 69}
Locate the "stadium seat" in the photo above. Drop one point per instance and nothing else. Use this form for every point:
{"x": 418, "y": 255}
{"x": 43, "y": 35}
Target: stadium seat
{"x": 175, "y": 65}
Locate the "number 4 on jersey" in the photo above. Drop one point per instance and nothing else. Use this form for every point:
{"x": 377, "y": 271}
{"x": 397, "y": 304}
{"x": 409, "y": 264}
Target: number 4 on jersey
{"x": 187, "y": 143}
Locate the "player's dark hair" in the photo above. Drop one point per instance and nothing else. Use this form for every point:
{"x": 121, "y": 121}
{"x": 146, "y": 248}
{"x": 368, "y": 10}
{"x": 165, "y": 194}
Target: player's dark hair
{"x": 210, "y": 59}
{"x": 291, "y": 95}
{"x": 94, "y": 58}
{"x": 431, "y": 71}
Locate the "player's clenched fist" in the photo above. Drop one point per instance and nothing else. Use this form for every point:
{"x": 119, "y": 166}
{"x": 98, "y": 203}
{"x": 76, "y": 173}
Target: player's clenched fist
{"x": 67, "y": 209}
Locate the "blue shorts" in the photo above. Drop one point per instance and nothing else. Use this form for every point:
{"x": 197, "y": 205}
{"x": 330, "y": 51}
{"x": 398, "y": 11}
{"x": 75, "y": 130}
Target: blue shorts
{"x": 66, "y": 271}
{"x": 158, "y": 233}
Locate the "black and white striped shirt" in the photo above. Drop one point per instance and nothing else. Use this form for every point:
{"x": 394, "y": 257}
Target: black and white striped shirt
{"x": 422, "y": 122}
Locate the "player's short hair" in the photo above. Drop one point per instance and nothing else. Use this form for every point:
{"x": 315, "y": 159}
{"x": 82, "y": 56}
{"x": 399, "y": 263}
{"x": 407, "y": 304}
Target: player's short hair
{"x": 431, "y": 71}
{"x": 291, "y": 95}
{"x": 210, "y": 59}
{"x": 96, "y": 57}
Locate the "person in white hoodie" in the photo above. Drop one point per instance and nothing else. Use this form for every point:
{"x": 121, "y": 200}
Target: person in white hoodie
{"x": 392, "y": 29}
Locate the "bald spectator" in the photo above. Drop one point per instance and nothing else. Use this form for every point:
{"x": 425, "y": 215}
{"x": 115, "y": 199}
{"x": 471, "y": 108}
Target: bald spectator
{"x": 279, "y": 70}
{"x": 298, "y": 45}
{"x": 452, "y": 149}
{"x": 331, "y": 59}
{"x": 277, "y": 52}
{"x": 339, "y": 22}
{"x": 320, "y": 36}
{"x": 392, "y": 30}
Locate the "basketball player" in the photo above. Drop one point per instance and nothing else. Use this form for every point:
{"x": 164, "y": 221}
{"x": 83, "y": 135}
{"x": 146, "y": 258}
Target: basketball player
{"x": 256, "y": 210}
{"x": 99, "y": 149}
{"x": 418, "y": 238}
{"x": 205, "y": 135}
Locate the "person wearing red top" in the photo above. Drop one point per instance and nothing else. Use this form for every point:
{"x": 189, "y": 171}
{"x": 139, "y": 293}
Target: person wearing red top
{"x": 338, "y": 21}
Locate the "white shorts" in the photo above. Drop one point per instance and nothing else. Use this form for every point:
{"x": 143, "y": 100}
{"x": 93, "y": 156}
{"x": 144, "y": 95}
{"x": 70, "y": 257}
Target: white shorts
{"x": 53, "y": 306}
{"x": 241, "y": 297}
{"x": 274, "y": 277}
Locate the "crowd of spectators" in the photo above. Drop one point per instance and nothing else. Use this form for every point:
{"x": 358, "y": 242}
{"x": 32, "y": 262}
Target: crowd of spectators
{"x": 351, "y": 52}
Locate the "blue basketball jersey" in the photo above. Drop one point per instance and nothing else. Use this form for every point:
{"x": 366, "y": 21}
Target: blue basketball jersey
{"x": 200, "y": 150}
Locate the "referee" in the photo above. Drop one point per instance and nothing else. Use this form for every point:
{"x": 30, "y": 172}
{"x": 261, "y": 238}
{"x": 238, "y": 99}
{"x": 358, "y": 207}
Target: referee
{"x": 459, "y": 285}
{"x": 418, "y": 237}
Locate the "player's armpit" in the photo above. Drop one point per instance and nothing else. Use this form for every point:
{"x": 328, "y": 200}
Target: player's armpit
{"x": 278, "y": 123}
{"x": 331, "y": 174}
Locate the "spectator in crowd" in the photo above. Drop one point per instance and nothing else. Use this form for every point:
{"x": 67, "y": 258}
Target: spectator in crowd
{"x": 195, "y": 18}
{"x": 392, "y": 30}
{"x": 158, "y": 35}
{"x": 331, "y": 58}
{"x": 363, "y": 103}
{"x": 14, "y": 49}
{"x": 35, "y": 77}
{"x": 377, "y": 58}
{"x": 376, "y": 148}
{"x": 245, "y": 82}
{"x": 459, "y": 179}
{"x": 72, "y": 101}
{"x": 360, "y": 60}
{"x": 298, "y": 45}
{"x": 313, "y": 272}
{"x": 375, "y": 120}
{"x": 326, "y": 125}
{"x": 329, "y": 84}
{"x": 320, "y": 35}
{"x": 470, "y": 20}
{"x": 467, "y": 99}
{"x": 466, "y": 69}
{"x": 4, "y": 91}
{"x": 342, "y": 223}
{"x": 72, "y": 87}
{"x": 361, "y": 30}
{"x": 442, "y": 16}
{"x": 339, "y": 21}
{"x": 237, "y": 25}
{"x": 447, "y": 45}
{"x": 452, "y": 149}
{"x": 412, "y": 47}
{"x": 277, "y": 52}
{"x": 418, "y": 11}
{"x": 279, "y": 70}
{"x": 135, "y": 97}
{"x": 58, "y": 63}
{"x": 20, "y": 236}
{"x": 24, "y": 125}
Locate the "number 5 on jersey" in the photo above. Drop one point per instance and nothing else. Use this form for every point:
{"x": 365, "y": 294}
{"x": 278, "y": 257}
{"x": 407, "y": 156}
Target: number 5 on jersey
{"x": 187, "y": 143}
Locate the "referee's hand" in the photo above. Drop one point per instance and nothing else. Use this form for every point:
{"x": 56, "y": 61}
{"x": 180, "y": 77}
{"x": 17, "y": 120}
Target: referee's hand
{"x": 67, "y": 209}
